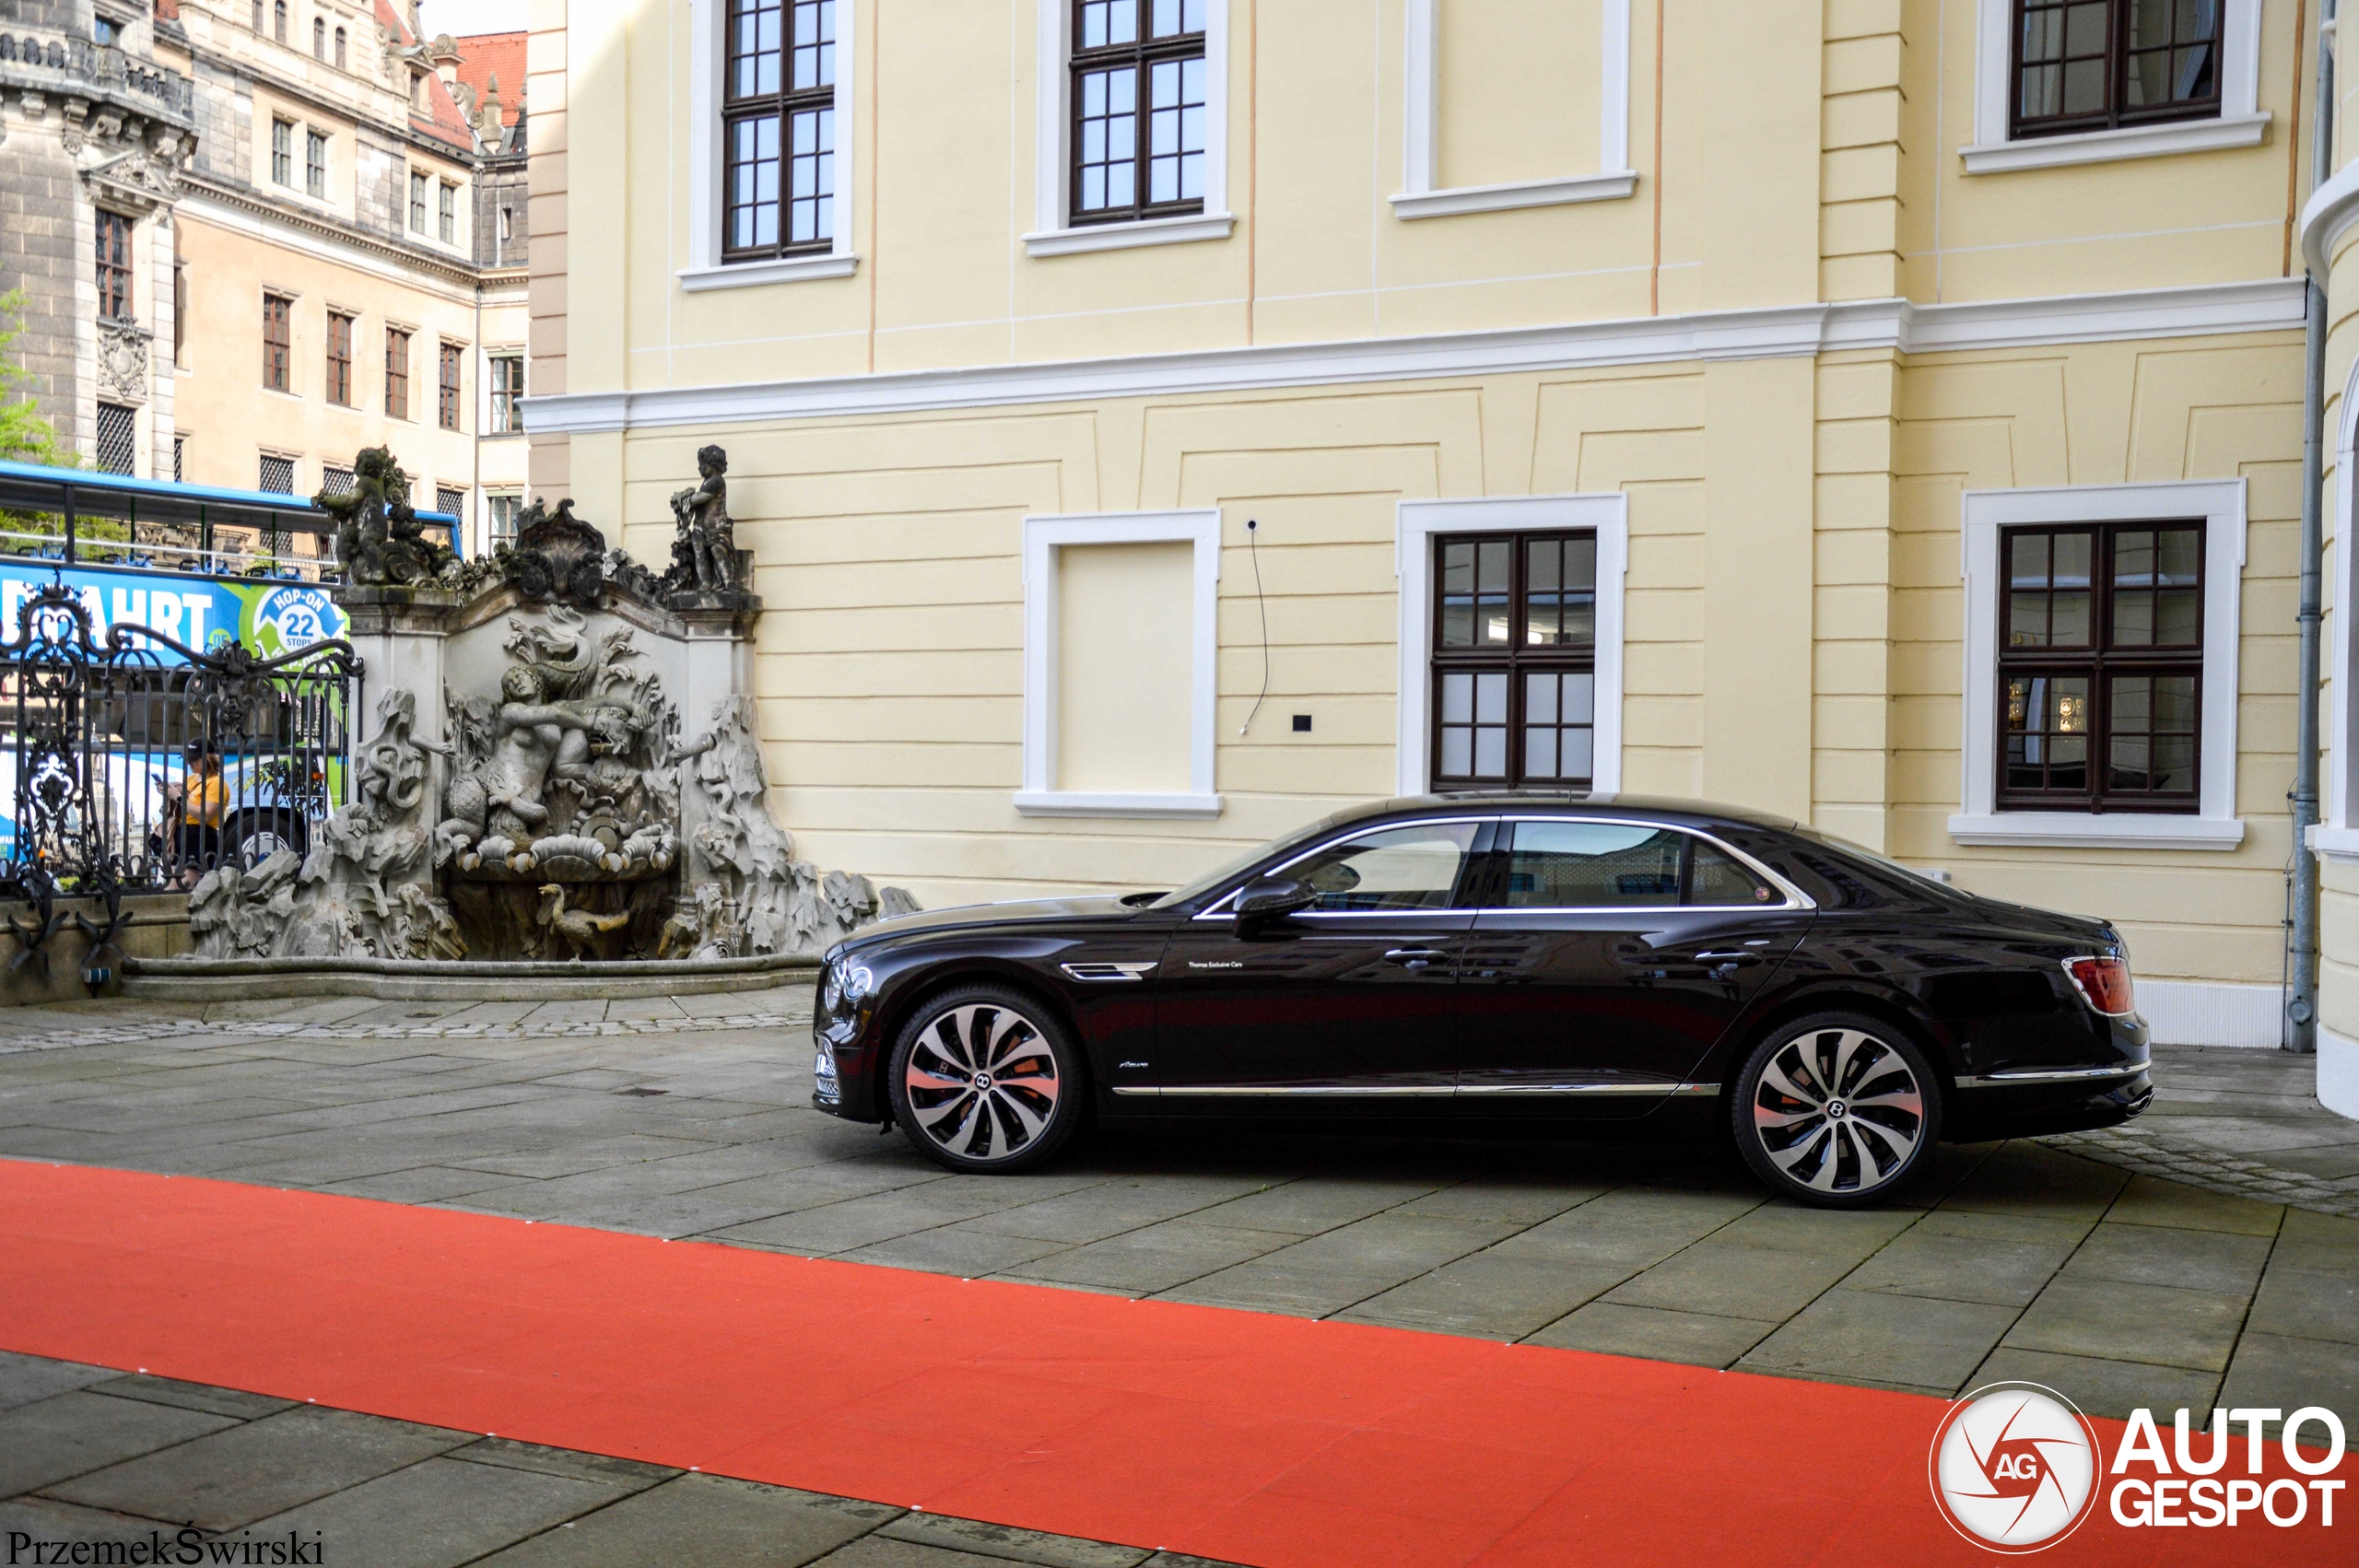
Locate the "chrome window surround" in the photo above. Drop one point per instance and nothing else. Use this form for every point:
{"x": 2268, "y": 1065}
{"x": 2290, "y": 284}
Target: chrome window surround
{"x": 1795, "y": 897}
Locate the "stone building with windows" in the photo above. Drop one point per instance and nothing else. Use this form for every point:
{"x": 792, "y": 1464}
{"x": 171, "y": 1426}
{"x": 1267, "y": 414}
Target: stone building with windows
{"x": 1163, "y": 421}
{"x": 308, "y": 242}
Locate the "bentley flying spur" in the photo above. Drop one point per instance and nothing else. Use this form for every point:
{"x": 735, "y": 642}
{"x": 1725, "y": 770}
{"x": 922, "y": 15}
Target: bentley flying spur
{"x": 1669, "y": 967}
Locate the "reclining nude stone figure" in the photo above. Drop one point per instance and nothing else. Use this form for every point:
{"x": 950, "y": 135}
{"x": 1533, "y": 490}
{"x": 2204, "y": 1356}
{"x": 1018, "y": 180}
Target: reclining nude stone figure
{"x": 497, "y": 808}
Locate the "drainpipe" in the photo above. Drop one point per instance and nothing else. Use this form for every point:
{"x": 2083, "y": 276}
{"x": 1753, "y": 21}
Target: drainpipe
{"x": 2301, "y": 1034}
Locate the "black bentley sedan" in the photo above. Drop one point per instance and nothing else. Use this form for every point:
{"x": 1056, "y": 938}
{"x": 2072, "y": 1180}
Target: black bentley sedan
{"x": 1501, "y": 957}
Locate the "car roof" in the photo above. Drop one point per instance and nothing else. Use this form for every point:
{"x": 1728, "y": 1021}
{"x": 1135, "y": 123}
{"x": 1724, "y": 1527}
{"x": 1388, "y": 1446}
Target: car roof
{"x": 1567, "y": 803}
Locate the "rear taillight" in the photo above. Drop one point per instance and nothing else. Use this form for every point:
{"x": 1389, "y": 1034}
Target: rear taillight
{"x": 2105, "y": 982}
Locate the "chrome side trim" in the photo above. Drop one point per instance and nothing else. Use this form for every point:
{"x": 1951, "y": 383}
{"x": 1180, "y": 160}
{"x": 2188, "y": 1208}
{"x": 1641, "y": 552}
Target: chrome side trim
{"x": 1697, "y": 1089}
{"x": 1117, "y": 971}
{"x": 1288, "y": 1091}
{"x": 2055, "y": 1075}
{"x": 1655, "y": 1091}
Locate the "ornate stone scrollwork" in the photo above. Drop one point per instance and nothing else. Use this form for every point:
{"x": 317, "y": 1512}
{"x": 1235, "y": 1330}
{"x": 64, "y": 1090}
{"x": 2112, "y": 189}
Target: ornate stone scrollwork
{"x": 123, "y": 361}
{"x": 557, "y": 556}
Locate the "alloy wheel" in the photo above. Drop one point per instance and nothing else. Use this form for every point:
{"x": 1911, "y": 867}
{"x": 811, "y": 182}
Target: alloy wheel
{"x": 982, "y": 1082}
{"x": 1838, "y": 1111}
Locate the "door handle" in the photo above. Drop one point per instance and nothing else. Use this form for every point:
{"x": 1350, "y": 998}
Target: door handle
{"x": 1727, "y": 958}
{"x": 1414, "y": 957}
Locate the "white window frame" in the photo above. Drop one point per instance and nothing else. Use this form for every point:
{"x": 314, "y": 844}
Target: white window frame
{"x": 2214, "y": 825}
{"x": 2241, "y": 122}
{"x": 1421, "y": 150}
{"x": 708, "y": 58}
{"x": 1053, "y": 234}
{"x": 1416, "y": 523}
{"x": 1046, "y": 535}
{"x": 2336, "y": 836}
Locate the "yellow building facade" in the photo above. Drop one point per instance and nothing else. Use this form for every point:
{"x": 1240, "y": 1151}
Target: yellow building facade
{"x": 1113, "y": 519}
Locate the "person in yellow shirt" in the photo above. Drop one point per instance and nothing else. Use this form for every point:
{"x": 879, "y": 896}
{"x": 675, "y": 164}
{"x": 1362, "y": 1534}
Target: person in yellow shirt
{"x": 199, "y": 798}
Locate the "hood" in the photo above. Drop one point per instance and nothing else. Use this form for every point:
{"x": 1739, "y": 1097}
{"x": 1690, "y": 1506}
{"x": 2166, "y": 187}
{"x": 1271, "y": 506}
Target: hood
{"x": 1023, "y": 911}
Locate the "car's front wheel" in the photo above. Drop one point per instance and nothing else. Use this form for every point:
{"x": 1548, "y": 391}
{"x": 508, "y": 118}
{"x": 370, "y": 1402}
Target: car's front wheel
{"x": 984, "y": 1079}
{"x": 1837, "y": 1110}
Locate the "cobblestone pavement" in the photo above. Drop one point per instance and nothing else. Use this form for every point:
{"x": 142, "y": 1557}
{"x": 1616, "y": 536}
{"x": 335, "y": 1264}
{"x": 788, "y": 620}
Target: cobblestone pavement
{"x": 89, "y": 1454}
{"x": 2076, "y": 1265}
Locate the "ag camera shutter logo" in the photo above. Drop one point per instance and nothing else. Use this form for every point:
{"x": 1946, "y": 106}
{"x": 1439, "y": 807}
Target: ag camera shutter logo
{"x": 2014, "y": 1466}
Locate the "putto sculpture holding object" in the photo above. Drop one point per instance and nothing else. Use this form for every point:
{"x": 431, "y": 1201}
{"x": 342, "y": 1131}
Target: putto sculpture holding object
{"x": 559, "y": 816}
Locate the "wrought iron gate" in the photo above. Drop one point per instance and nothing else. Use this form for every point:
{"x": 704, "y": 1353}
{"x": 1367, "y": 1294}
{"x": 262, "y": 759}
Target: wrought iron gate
{"x": 136, "y": 763}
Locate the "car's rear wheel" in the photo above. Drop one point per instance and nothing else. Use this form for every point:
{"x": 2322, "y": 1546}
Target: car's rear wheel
{"x": 984, "y": 1079}
{"x": 254, "y": 836}
{"x": 1837, "y": 1110}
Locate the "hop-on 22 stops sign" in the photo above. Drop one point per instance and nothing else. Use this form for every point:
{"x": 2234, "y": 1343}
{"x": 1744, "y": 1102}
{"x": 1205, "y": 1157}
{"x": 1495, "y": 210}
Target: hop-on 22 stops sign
{"x": 2016, "y": 1467}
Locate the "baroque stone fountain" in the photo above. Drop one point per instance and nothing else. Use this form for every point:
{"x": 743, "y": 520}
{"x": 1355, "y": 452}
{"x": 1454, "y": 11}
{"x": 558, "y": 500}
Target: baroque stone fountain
{"x": 528, "y": 793}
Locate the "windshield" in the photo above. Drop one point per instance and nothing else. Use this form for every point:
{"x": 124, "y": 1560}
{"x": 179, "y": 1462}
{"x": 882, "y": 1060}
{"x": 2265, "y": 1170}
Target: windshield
{"x": 1875, "y": 857}
{"x": 1243, "y": 863}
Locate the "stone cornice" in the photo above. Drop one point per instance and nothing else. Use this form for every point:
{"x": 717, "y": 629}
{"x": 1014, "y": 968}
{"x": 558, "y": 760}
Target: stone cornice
{"x": 253, "y": 205}
{"x": 303, "y": 93}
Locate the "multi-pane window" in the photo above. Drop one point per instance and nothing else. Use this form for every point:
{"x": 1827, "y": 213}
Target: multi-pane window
{"x": 1138, "y": 108}
{"x": 778, "y": 125}
{"x": 339, "y": 357}
{"x": 339, "y": 48}
{"x": 315, "y": 163}
{"x": 2101, "y": 668}
{"x": 277, "y": 340}
{"x": 450, "y": 499}
{"x": 278, "y": 20}
{"x": 319, "y": 38}
{"x": 396, "y": 374}
{"x": 1514, "y": 659}
{"x": 507, "y": 390}
{"x": 447, "y": 215}
{"x": 446, "y": 408}
{"x": 179, "y": 303}
{"x": 257, "y": 16}
{"x": 115, "y": 303}
{"x": 277, "y": 474}
{"x": 335, "y": 480}
{"x": 180, "y": 459}
{"x": 418, "y": 184}
{"x": 118, "y": 438}
{"x": 2095, "y": 64}
{"x": 282, "y": 152}
{"x": 504, "y": 508}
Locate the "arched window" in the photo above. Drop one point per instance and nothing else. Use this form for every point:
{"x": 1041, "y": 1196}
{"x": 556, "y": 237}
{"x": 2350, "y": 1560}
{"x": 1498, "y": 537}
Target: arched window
{"x": 278, "y": 20}
{"x": 339, "y": 48}
{"x": 257, "y": 18}
{"x": 319, "y": 38}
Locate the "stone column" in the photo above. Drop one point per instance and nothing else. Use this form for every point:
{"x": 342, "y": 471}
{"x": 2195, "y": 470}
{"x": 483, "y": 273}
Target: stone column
{"x": 718, "y": 664}
{"x": 400, "y": 634}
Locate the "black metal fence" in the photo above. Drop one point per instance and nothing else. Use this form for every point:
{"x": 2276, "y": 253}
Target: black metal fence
{"x": 136, "y": 763}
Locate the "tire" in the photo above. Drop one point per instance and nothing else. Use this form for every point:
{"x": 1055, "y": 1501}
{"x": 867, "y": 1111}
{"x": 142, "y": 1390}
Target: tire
{"x": 1032, "y": 1092}
{"x": 253, "y": 837}
{"x": 1871, "y": 1144}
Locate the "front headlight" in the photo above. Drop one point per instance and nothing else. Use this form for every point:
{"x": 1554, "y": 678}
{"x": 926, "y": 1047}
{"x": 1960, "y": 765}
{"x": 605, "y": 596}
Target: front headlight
{"x": 858, "y": 983}
{"x": 842, "y": 987}
{"x": 832, "y": 990}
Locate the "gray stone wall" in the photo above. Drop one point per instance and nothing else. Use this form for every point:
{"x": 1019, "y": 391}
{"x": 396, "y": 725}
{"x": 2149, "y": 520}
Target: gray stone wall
{"x": 500, "y": 183}
{"x": 43, "y": 213}
{"x": 380, "y": 177}
{"x": 225, "y": 124}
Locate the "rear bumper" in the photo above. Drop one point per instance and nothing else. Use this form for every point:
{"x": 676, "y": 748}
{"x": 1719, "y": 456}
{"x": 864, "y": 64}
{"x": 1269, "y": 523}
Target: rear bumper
{"x": 1986, "y": 1111}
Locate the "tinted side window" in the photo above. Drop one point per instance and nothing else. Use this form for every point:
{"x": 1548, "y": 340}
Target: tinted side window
{"x": 1590, "y": 865}
{"x": 1714, "y": 877}
{"x": 1415, "y": 867}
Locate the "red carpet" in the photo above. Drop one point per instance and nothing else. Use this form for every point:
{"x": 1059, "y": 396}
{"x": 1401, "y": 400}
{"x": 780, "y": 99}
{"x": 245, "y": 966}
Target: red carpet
{"x": 1264, "y": 1439}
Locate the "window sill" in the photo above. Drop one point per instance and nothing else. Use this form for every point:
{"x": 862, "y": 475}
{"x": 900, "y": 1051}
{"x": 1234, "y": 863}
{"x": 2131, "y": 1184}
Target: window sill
{"x": 2124, "y": 831}
{"x": 749, "y": 275}
{"x": 2108, "y": 147}
{"x": 1127, "y": 236}
{"x": 1522, "y": 194}
{"x": 2340, "y": 845}
{"x": 1064, "y": 803}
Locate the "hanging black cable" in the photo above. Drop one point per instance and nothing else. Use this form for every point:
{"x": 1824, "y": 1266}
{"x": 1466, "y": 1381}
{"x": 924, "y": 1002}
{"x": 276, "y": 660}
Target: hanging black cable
{"x": 1253, "y": 540}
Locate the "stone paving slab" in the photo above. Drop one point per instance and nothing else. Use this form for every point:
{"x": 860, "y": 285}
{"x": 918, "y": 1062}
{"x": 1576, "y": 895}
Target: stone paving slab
{"x": 117, "y": 1465}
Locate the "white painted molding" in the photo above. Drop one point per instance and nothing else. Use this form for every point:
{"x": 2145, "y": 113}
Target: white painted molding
{"x": 1421, "y": 137}
{"x": 2337, "y": 835}
{"x": 2326, "y": 217}
{"x": 2241, "y": 121}
{"x": 1774, "y": 331}
{"x": 2214, "y": 825}
{"x": 2340, "y": 845}
{"x": 2112, "y": 146}
{"x": 2211, "y": 1012}
{"x": 2338, "y": 1088}
{"x": 1129, "y": 236}
{"x": 1415, "y": 525}
{"x": 1052, "y": 138}
{"x": 706, "y": 270}
{"x": 1046, "y": 535}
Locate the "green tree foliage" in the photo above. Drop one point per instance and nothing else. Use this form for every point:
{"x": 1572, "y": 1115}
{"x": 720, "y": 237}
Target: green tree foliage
{"x": 25, "y": 436}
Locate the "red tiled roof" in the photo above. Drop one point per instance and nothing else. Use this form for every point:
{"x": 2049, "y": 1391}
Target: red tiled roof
{"x": 495, "y": 59}
{"x": 438, "y": 116}
{"x": 167, "y": 10}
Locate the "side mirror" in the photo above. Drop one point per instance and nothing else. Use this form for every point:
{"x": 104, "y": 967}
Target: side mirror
{"x": 1269, "y": 898}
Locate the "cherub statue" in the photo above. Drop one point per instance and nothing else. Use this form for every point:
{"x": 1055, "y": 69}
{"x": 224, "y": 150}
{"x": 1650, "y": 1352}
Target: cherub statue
{"x": 378, "y": 537}
{"x": 704, "y": 551}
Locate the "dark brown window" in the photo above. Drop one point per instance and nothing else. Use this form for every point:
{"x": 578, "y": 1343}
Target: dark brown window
{"x": 1514, "y": 659}
{"x": 339, "y": 357}
{"x": 396, "y": 374}
{"x": 779, "y": 124}
{"x": 1138, "y": 108}
{"x": 2096, "y": 65}
{"x": 275, "y": 340}
{"x": 115, "y": 303}
{"x": 2101, "y": 668}
{"x": 446, "y": 407}
{"x": 179, "y": 303}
